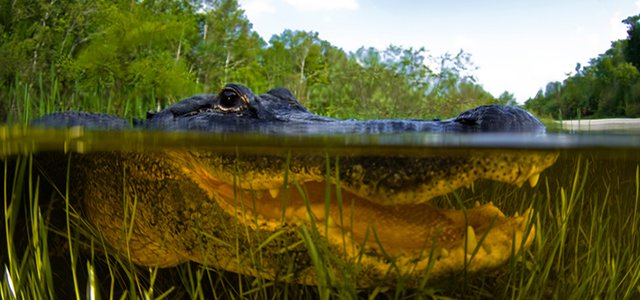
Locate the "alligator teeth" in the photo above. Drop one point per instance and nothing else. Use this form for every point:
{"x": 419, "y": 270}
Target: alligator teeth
{"x": 533, "y": 180}
{"x": 444, "y": 253}
{"x": 274, "y": 193}
{"x": 472, "y": 242}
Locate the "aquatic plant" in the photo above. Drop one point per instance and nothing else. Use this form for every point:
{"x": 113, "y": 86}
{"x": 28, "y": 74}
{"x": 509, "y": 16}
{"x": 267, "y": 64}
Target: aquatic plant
{"x": 587, "y": 244}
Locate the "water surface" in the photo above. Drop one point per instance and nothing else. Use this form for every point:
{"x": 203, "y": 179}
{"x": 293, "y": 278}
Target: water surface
{"x": 19, "y": 140}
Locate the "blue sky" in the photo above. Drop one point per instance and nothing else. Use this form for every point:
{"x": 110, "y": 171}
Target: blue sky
{"x": 518, "y": 46}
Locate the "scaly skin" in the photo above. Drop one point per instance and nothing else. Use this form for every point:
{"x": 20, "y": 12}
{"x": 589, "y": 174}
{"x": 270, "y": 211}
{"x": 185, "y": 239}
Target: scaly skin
{"x": 165, "y": 208}
{"x": 270, "y": 216}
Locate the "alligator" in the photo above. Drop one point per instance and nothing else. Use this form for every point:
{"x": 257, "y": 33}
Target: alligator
{"x": 306, "y": 217}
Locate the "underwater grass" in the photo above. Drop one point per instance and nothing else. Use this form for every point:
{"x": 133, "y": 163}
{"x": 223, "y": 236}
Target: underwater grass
{"x": 587, "y": 245}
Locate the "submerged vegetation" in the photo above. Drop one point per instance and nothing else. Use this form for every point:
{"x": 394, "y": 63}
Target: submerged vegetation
{"x": 586, "y": 246}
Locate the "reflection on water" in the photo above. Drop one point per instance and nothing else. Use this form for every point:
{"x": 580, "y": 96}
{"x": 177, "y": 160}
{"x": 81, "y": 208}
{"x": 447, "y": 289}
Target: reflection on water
{"x": 585, "y": 204}
{"x": 18, "y": 140}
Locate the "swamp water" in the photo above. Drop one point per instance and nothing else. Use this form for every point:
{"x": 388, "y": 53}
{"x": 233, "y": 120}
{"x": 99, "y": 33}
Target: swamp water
{"x": 585, "y": 210}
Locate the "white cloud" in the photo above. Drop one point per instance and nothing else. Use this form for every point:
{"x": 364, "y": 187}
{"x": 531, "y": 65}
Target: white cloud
{"x": 257, "y": 7}
{"x": 618, "y": 30}
{"x": 463, "y": 42}
{"x": 323, "y": 5}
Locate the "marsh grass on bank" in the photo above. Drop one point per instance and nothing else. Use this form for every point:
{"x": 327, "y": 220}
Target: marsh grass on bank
{"x": 21, "y": 103}
{"x": 587, "y": 245}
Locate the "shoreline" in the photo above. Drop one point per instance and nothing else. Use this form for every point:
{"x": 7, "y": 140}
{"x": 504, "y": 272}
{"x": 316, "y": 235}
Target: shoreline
{"x": 601, "y": 124}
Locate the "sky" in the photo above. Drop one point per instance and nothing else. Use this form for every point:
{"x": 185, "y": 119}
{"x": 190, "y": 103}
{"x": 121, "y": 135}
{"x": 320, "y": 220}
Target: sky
{"x": 517, "y": 46}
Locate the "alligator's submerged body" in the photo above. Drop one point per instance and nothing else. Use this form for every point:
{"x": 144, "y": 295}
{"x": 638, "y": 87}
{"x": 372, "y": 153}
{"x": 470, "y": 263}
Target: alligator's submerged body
{"x": 362, "y": 218}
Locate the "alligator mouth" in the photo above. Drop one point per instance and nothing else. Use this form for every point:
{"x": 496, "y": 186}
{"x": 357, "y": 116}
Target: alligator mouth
{"x": 409, "y": 236}
{"x": 397, "y": 230}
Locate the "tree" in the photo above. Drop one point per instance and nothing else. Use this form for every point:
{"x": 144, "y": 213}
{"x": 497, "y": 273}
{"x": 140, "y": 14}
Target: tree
{"x": 228, "y": 45}
{"x": 609, "y": 86}
{"x": 125, "y": 57}
{"x": 297, "y": 59}
{"x": 135, "y": 53}
{"x": 632, "y": 49}
{"x": 507, "y": 98}
{"x": 38, "y": 39}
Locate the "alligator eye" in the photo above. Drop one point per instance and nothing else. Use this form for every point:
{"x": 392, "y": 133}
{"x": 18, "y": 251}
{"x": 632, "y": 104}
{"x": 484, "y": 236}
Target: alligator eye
{"x": 231, "y": 100}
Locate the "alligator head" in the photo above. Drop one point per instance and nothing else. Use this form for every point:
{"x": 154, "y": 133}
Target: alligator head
{"x": 237, "y": 109}
{"x": 270, "y": 215}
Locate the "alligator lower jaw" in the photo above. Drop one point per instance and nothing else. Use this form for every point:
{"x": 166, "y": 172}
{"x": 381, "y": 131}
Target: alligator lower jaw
{"x": 409, "y": 238}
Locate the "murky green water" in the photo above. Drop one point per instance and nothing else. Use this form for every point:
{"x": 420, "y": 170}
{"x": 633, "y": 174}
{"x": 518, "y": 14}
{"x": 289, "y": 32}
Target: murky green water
{"x": 587, "y": 242}
{"x": 18, "y": 140}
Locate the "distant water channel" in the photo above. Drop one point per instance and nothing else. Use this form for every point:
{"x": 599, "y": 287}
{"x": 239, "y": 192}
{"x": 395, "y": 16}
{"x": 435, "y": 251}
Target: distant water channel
{"x": 620, "y": 125}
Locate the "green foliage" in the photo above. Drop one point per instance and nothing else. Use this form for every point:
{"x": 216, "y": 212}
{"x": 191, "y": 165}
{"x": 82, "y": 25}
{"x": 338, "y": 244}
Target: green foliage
{"x": 298, "y": 61}
{"x": 136, "y": 53}
{"x": 37, "y": 40}
{"x": 608, "y": 87}
{"x": 632, "y": 49}
{"x": 227, "y": 48}
{"x": 126, "y": 57}
{"x": 507, "y": 98}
